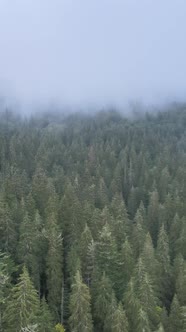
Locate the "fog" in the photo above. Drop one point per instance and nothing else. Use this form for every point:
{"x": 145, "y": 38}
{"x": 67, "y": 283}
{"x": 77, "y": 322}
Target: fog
{"x": 92, "y": 53}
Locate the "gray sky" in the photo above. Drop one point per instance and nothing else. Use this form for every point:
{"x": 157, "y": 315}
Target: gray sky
{"x": 93, "y": 52}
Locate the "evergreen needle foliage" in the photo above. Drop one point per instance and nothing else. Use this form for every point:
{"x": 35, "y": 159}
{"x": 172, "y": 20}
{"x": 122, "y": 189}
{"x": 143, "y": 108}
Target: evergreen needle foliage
{"x": 93, "y": 222}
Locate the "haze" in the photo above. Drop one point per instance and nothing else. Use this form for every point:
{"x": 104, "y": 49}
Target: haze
{"x": 94, "y": 53}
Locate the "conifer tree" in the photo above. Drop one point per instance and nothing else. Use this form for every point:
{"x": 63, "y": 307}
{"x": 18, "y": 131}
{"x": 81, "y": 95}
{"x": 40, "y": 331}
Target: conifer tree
{"x": 45, "y": 319}
{"x": 80, "y": 311}
{"x": 22, "y": 308}
{"x": 119, "y": 321}
{"x": 131, "y": 305}
{"x": 145, "y": 293}
{"x": 183, "y": 319}
{"x": 180, "y": 242}
{"x": 174, "y": 235}
{"x": 174, "y": 317}
{"x": 152, "y": 215}
{"x": 161, "y": 328}
{"x": 73, "y": 262}
{"x": 103, "y": 294}
{"x": 148, "y": 256}
{"x": 181, "y": 285}
{"x": 178, "y": 266}
{"x": 84, "y": 251}
{"x": 7, "y": 228}
{"x": 143, "y": 324}
{"x": 120, "y": 224}
{"x": 164, "y": 269}
{"x": 4, "y": 284}
{"x": 25, "y": 241}
{"x": 110, "y": 314}
{"x": 138, "y": 234}
{"x": 106, "y": 253}
{"x": 96, "y": 223}
{"x": 125, "y": 267}
{"x": 54, "y": 261}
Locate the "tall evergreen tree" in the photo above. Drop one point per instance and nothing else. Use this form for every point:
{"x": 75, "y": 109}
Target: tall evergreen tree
{"x": 103, "y": 298}
{"x": 106, "y": 253}
{"x": 85, "y": 243}
{"x": 23, "y": 305}
{"x": 163, "y": 257}
{"x": 54, "y": 261}
{"x": 80, "y": 312}
{"x": 119, "y": 321}
{"x": 174, "y": 317}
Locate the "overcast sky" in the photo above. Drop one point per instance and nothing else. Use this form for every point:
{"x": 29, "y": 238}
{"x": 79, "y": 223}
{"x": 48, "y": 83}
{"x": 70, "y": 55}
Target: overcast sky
{"x": 93, "y": 52}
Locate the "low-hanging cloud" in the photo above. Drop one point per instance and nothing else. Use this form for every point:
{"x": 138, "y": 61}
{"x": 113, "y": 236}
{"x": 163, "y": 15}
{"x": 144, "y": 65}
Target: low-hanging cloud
{"x": 93, "y": 52}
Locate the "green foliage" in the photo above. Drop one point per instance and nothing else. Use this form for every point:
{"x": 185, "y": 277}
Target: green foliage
{"x": 59, "y": 328}
{"x": 23, "y": 305}
{"x": 54, "y": 260}
{"x": 80, "y": 312}
{"x": 102, "y": 195}
{"x": 119, "y": 322}
{"x": 103, "y": 299}
{"x": 175, "y": 316}
{"x": 45, "y": 319}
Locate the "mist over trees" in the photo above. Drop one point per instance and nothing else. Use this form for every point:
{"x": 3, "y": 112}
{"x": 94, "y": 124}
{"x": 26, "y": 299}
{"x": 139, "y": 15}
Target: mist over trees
{"x": 93, "y": 222}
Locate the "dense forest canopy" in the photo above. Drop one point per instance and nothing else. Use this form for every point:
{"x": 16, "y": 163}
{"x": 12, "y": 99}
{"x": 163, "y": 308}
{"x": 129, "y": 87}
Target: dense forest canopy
{"x": 93, "y": 222}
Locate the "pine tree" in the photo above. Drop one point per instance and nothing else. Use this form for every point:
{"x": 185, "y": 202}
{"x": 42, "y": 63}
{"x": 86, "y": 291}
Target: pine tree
{"x": 73, "y": 262}
{"x": 178, "y": 266}
{"x": 183, "y": 319}
{"x": 150, "y": 262}
{"x": 107, "y": 327}
{"x": 143, "y": 324}
{"x": 125, "y": 267}
{"x": 164, "y": 318}
{"x": 25, "y": 241}
{"x": 181, "y": 286}
{"x": 102, "y": 194}
{"x": 106, "y": 253}
{"x": 174, "y": 235}
{"x": 138, "y": 234}
{"x": 8, "y": 228}
{"x": 5, "y": 272}
{"x": 38, "y": 251}
{"x": 103, "y": 296}
{"x": 152, "y": 215}
{"x": 54, "y": 260}
{"x": 23, "y": 306}
{"x": 84, "y": 250}
{"x": 119, "y": 321}
{"x": 32, "y": 246}
{"x": 45, "y": 319}
{"x": 120, "y": 224}
{"x": 174, "y": 317}
{"x": 164, "y": 269}
{"x": 96, "y": 223}
{"x": 40, "y": 190}
{"x": 145, "y": 293}
{"x": 131, "y": 305}
{"x": 71, "y": 214}
{"x": 180, "y": 242}
{"x": 161, "y": 328}
{"x": 80, "y": 312}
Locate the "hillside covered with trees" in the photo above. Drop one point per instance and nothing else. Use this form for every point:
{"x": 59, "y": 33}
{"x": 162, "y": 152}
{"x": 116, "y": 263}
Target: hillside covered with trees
{"x": 93, "y": 223}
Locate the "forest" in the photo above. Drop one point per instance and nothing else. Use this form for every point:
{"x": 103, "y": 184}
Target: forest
{"x": 93, "y": 222}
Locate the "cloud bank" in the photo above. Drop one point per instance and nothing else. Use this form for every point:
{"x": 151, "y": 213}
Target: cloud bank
{"x": 93, "y": 53}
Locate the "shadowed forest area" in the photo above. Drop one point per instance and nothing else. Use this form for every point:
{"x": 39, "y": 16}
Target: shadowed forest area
{"x": 93, "y": 222}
